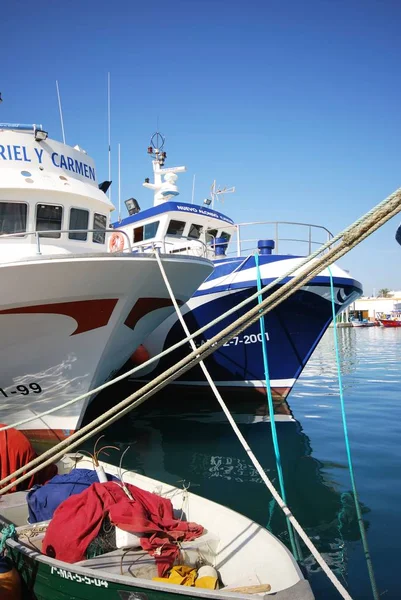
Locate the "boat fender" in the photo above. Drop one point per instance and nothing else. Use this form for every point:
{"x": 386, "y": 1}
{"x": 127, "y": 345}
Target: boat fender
{"x": 116, "y": 242}
{"x": 10, "y": 584}
{"x": 207, "y": 578}
{"x": 140, "y": 356}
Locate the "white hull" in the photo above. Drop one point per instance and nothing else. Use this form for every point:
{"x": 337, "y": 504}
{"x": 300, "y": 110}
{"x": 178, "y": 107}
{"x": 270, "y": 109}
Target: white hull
{"x": 69, "y": 323}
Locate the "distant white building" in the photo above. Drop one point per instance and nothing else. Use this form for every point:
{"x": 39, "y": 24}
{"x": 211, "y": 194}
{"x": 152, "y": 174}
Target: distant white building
{"x": 373, "y": 305}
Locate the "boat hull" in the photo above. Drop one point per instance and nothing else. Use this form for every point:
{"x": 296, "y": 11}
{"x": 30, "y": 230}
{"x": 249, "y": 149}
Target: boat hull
{"x": 242, "y": 551}
{"x": 293, "y": 330}
{"x": 69, "y": 324}
{"x": 45, "y": 581}
{"x": 390, "y": 323}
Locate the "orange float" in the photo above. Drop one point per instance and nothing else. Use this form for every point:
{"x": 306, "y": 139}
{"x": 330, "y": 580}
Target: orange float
{"x": 140, "y": 356}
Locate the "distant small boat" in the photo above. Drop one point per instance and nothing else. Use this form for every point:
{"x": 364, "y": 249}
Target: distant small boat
{"x": 363, "y": 323}
{"x": 390, "y": 322}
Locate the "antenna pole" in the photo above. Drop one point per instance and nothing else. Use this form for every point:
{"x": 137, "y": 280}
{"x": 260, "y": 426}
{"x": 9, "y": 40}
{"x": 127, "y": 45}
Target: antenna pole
{"x": 193, "y": 188}
{"x": 119, "y": 184}
{"x": 60, "y": 111}
{"x": 109, "y": 128}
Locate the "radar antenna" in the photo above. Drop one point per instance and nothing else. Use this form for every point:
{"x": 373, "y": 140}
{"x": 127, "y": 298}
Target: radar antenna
{"x": 164, "y": 189}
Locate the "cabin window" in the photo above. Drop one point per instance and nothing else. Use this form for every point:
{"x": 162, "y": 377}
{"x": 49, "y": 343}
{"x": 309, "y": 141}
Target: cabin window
{"x": 211, "y": 235}
{"x": 99, "y": 222}
{"x": 195, "y": 231}
{"x": 226, "y": 236}
{"x": 146, "y": 232}
{"x": 138, "y": 234}
{"x": 79, "y": 219}
{"x": 13, "y": 217}
{"x": 48, "y": 220}
{"x": 176, "y": 227}
{"x": 150, "y": 230}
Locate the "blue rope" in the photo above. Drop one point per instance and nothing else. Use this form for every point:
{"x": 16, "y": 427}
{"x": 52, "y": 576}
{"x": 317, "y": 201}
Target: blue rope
{"x": 7, "y": 533}
{"x": 375, "y": 591}
{"x": 295, "y": 548}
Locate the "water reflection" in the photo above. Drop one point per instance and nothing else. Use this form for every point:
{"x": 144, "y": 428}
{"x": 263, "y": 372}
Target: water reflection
{"x": 180, "y": 447}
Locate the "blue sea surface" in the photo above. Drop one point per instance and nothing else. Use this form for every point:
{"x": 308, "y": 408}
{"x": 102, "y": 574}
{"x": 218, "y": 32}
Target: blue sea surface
{"x": 195, "y": 446}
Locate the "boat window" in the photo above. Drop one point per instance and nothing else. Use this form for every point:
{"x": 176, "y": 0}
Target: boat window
{"x": 79, "y": 219}
{"x": 138, "y": 234}
{"x": 226, "y": 236}
{"x": 150, "y": 230}
{"x": 48, "y": 220}
{"x": 211, "y": 235}
{"x": 175, "y": 227}
{"x": 146, "y": 232}
{"x": 12, "y": 217}
{"x": 99, "y": 222}
{"x": 195, "y": 231}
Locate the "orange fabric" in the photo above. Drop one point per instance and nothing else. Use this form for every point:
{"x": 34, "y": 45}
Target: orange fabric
{"x": 15, "y": 452}
{"x": 10, "y": 585}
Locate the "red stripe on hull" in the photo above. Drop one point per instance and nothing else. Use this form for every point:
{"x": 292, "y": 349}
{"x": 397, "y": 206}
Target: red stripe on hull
{"x": 143, "y": 306}
{"x": 89, "y": 314}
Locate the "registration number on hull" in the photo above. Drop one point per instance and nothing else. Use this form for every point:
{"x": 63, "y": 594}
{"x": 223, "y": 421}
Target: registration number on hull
{"x": 79, "y": 578}
{"x": 24, "y": 390}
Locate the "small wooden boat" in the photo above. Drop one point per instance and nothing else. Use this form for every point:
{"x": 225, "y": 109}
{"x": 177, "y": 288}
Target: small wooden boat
{"x": 248, "y": 558}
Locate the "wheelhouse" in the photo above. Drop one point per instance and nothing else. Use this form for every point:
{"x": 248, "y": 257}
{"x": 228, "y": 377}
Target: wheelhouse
{"x": 45, "y": 206}
{"x": 178, "y": 228}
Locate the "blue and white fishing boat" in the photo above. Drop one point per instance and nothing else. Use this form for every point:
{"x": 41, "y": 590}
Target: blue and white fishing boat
{"x": 293, "y": 329}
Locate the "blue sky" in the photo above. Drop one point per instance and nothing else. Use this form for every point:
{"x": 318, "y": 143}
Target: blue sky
{"x": 297, "y": 104}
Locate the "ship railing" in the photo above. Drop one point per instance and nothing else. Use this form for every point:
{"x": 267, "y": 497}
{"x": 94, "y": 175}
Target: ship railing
{"x": 42, "y": 234}
{"x": 276, "y": 233}
{"x": 196, "y": 247}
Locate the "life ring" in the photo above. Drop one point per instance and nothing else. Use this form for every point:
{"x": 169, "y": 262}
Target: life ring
{"x": 116, "y": 242}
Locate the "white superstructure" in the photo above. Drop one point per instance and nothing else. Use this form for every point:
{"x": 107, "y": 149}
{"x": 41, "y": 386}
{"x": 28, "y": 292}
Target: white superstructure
{"x": 71, "y": 312}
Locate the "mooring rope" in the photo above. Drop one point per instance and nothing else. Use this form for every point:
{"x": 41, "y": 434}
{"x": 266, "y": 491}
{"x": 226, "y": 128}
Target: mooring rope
{"x": 8, "y": 532}
{"x": 390, "y": 204}
{"x": 245, "y": 444}
{"x": 393, "y": 204}
{"x": 361, "y": 525}
{"x": 276, "y": 446}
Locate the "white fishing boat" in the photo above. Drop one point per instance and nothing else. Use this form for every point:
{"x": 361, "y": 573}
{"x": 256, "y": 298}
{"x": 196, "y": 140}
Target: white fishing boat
{"x": 72, "y": 308}
{"x": 366, "y": 323}
{"x": 244, "y": 557}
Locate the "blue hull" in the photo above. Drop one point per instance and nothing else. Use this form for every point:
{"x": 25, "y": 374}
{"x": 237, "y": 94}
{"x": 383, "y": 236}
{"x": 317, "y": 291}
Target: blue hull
{"x": 293, "y": 330}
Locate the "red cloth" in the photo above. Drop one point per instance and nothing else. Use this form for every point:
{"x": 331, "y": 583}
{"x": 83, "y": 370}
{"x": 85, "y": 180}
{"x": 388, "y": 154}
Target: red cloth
{"x": 15, "y": 452}
{"x": 76, "y": 522}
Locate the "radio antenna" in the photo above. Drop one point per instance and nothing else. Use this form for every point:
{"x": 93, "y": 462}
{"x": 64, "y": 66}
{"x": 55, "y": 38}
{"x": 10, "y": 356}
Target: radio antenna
{"x": 193, "y": 188}
{"x": 60, "y": 111}
{"x": 119, "y": 183}
{"x": 109, "y": 128}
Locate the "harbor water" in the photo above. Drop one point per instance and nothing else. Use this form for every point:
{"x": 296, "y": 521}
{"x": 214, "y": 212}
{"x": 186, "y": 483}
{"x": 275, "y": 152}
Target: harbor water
{"x": 192, "y": 444}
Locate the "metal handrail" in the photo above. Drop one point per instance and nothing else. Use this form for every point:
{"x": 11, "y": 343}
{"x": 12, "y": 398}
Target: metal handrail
{"x": 163, "y": 242}
{"x": 280, "y": 223}
{"x": 277, "y": 238}
{"x": 37, "y": 234}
